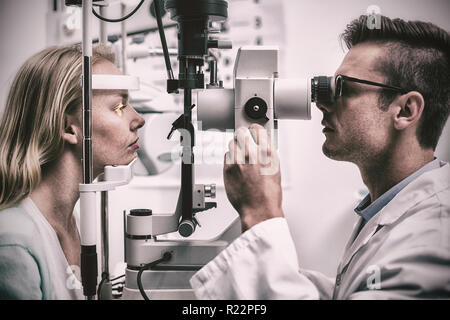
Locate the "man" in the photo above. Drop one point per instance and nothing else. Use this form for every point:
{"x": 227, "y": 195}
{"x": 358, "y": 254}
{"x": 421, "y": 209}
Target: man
{"x": 391, "y": 102}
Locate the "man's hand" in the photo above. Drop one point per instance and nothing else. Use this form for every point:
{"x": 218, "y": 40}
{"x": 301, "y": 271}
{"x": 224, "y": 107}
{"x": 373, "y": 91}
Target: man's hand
{"x": 252, "y": 176}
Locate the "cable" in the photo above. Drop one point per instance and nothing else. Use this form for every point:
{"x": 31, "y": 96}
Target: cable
{"x": 119, "y": 19}
{"x": 117, "y": 278}
{"x": 163, "y": 40}
{"x": 166, "y": 257}
{"x": 118, "y": 283}
{"x": 117, "y": 292}
{"x": 104, "y": 278}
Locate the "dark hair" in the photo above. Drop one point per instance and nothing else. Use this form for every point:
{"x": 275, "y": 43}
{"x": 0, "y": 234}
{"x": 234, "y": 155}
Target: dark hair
{"x": 417, "y": 59}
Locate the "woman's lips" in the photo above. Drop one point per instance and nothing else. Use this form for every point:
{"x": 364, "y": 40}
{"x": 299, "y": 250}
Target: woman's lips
{"x": 134, "y": 145}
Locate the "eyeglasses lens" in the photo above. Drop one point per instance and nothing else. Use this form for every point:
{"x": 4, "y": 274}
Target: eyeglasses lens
{"x": 338, "y": 87}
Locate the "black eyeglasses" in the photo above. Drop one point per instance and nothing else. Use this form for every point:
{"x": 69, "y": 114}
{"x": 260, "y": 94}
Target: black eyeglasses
{"x": 340, "y": 79}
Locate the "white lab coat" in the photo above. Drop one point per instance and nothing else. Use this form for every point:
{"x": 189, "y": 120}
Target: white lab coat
{"x": 403, "y": 252}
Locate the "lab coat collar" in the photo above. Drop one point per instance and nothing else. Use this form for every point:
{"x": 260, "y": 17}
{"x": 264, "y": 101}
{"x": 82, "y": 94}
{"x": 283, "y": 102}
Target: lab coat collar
{"x": 428, "y": 184}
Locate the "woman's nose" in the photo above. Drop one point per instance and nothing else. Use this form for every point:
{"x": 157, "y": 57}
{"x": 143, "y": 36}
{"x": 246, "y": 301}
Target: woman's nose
{"x": 137, "y": 122}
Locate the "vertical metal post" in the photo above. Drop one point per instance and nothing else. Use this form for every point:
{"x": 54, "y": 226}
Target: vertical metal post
{"x": 188, "y": 160}
{"x": 213, "y": 72}
{"x": 105, "y": 289}
{"x": 124, "y": 40}
{"x": 187, "y": 224}
{"x": 105, "y": 232}
{"x": 124, "y": 236}
{"x": 87, "y": 93}
{"x": 103, "y": 29}
{"x": 87, "y": 199}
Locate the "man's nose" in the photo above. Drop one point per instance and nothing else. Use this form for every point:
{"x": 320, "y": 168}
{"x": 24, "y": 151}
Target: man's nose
{"x": 324, "y": 107}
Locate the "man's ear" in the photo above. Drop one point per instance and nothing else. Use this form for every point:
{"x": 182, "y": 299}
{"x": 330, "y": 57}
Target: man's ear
{"x": 410, "y": 108}
{"x": 71, "y": 130}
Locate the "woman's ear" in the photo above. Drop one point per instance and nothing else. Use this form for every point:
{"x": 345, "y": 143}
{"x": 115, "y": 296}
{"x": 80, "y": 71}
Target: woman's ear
{"x": 70, "y": 134}
{"x": 410, "y": 110}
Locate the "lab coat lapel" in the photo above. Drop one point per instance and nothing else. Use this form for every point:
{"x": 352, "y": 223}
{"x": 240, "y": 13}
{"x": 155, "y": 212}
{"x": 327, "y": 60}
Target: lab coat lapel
{"x": 418, "y": 190}
{"x": 356, "y": 228}
{"x": 361, "y": 239}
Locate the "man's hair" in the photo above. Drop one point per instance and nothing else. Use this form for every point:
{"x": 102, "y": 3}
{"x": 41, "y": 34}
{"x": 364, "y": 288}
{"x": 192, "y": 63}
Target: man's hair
{"x": 416, "y": 59}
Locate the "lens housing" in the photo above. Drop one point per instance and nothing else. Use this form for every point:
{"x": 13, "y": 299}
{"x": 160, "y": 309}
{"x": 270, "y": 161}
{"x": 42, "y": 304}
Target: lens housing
{"x": 321, "y": 89}
{"x": 212, "y": 9}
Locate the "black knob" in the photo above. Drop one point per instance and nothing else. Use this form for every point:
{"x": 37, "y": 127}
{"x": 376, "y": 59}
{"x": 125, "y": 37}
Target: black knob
{"x": 186, "y": 228}
{"x": 256, "y": 108}
{"x": 152, "y": 9}
{"x": 140, "y": 212}
{"x": 113, "y": 38}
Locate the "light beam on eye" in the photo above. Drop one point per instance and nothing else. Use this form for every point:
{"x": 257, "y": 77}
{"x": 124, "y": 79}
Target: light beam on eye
{"x": 119, "y": 108}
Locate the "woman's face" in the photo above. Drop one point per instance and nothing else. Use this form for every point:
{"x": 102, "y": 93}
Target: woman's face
{"x": 114, "y": 124}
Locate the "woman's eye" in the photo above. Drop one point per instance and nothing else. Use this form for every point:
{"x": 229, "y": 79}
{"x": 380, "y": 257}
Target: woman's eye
{"x": 119, "y": 108}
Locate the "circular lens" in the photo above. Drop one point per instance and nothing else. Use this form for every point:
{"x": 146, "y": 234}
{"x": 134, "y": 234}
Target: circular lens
{"x": 321, "y": 89}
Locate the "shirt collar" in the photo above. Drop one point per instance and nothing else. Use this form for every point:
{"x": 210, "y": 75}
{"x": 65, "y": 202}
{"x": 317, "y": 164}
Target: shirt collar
{"x": 367, "y": 210}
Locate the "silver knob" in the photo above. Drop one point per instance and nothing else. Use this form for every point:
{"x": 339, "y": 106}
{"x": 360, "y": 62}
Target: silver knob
{"x": 224, "y": 44}
{"x": 210, "y": 190}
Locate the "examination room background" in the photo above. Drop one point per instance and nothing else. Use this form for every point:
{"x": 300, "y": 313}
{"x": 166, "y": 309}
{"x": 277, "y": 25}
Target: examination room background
{"x": 319, "y": 194}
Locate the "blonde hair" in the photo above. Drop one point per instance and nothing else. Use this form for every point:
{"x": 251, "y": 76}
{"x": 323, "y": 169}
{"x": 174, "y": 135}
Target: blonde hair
{"x": 45, "y": 89}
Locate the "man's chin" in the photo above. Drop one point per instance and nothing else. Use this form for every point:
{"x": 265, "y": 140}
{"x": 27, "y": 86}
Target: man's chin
{"x": 333, "y": 153}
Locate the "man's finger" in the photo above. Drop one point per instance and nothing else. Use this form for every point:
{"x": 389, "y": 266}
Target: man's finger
{"x": 256, "y": 131}
{"x": 237, "y": 155}
{"x": 263, "y": 139}
{"x": 247, "y": 145}
{"x": 228, "y": 159}
{"x": 231, "y": 154}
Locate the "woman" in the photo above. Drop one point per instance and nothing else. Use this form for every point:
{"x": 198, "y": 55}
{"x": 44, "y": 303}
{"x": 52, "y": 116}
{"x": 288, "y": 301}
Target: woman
{"x": 40, "y": 168}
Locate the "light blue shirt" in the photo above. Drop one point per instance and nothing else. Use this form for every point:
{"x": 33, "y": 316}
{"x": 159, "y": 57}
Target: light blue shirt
{"x": 32, "y": 262}
{"x": 367, "y": 210}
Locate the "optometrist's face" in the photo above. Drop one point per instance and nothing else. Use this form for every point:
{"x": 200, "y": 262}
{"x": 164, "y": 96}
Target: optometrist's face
{"x": 114, "y": 124}
{"x": 356, "y": 129}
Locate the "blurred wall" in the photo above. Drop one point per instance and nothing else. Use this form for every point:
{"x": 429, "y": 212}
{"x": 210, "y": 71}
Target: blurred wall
{"x": 22, "y": 33}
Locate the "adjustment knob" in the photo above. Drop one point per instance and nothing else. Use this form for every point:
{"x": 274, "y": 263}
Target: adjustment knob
{"x": 186, "y": 228}
{"x": 210, "y": 190}
{"x": 256, "y": 108}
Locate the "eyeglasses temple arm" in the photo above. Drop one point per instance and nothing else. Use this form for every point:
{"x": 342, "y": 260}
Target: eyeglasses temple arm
{"x": 403, "y": 91}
